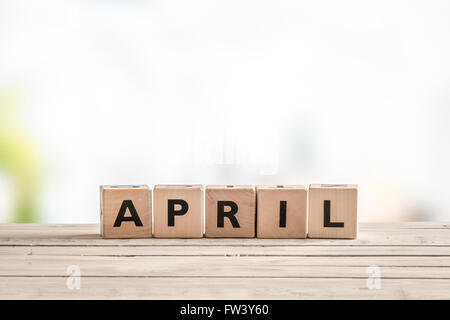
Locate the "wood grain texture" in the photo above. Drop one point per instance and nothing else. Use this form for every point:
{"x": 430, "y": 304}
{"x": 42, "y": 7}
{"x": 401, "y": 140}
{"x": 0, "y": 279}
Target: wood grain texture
{"x": 223, "y": 288}
{"x": 186, "y": 225}
{"x": 413, "y": 260}
{"x": 271, "y": 200}
{"x": 332, "y": 211}
{"x": 138, "y": 200}
{"x": 244, "y": 198}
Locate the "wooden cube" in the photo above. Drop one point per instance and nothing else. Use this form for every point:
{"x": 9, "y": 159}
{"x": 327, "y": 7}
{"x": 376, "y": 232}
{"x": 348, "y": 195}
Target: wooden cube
{"x": 126, "y": 211}
{"x": 333, "y": 211}
{"x": 230, "y": 211}
{"x": 281, "y": 211}
{"x": 178, "y": 211}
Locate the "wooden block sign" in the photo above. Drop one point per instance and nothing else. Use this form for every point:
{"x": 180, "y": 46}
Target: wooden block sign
{"x": 178, "y": 211}
{"x": 281, "y": 211}
{"x": 332, "y": 211}
{"x": 126, "y": 211}
{"x": 230, "y": 211}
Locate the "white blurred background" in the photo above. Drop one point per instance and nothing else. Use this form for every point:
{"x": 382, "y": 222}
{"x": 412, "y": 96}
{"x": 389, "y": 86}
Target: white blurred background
{"x": 220, "y": 92}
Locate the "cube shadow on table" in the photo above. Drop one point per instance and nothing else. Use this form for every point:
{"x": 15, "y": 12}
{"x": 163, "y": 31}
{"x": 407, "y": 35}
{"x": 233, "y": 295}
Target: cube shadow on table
{"x": 230, "y": 211}
{"x": 281, "y": 211}
{"x": 333, "y": 211}
{"x": 126, "y": 211}
{"x": 178, "y": 211}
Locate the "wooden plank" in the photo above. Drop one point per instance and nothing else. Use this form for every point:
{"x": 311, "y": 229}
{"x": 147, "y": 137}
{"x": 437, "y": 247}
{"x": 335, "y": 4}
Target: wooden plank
{"x": 393, "y": 261}
{"x": 46, "y": 230}
{"x": 161, "y": 250}
{"x": 221, "y": 288}
{"x": 88, "y": 235}
{"x": 170, "y": 266}
{"x": 414, "y": 261}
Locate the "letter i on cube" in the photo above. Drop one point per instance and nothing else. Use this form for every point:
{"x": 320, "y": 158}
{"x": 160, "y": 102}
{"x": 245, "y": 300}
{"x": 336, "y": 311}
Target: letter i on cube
{"x": 281, "y": 211}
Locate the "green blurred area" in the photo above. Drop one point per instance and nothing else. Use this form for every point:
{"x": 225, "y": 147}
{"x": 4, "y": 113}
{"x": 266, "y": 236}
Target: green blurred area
{"x": 19, "y": 160}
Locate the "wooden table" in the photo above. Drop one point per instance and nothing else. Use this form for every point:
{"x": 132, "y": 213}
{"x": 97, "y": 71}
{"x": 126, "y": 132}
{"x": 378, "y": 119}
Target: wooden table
{"x": 412, "y": 260}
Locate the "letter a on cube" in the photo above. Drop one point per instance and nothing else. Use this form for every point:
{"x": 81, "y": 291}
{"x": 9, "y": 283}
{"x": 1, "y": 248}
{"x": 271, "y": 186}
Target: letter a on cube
{"x": 333, "y": 211}
{"x": 126, "y": 211}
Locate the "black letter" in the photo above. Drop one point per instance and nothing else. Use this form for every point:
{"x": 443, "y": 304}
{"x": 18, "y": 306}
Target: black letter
{"x": 121, "y": 215}
{"x": 327, "y": 216}
{"x": 283, "y": 214}
{"x": 221, "y": 214}
{"x": 171, "y": 212}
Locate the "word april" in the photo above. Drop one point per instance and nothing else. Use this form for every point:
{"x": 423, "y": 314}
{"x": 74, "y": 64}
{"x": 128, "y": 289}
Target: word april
{"x": 231, "y": 211}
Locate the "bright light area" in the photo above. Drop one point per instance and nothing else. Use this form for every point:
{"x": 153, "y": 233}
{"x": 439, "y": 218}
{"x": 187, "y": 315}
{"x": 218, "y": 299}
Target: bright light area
{"x": 225, "y": 92}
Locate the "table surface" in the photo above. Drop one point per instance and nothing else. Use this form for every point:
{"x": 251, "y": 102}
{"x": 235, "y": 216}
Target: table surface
{"x": 387, "y": 261}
